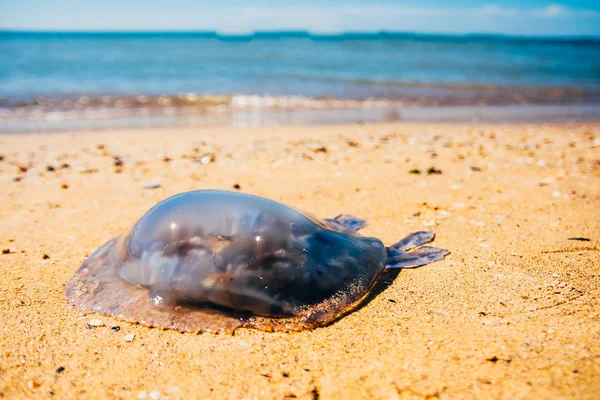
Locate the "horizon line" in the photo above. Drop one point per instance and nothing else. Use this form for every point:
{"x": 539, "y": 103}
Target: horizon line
{"x": 299, "y": 34}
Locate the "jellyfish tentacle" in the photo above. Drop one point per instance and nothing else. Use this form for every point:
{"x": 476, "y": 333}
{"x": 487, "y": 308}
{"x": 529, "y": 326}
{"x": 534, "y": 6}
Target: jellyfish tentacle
{"x": 348, "y": 221}
{"x": 413, "y": 240}
{"x": 416, "y": 258}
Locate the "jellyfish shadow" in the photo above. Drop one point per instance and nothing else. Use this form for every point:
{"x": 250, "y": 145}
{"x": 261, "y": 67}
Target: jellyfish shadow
{"x": 383, "y": 282}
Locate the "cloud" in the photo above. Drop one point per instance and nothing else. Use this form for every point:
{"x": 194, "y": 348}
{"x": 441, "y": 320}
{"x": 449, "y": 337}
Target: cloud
{"x": 405, "y": 11}
{"x": 560, "y": 11}
{"x": 372, "y": 17}
{"x": 553, "y": 19}
{"x": 555, "y": 10}
{"x": 496, "y": 10}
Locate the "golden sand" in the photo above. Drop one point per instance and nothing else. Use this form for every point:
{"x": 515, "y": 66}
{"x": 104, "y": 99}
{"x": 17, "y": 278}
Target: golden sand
{"x": 513, "y": 312}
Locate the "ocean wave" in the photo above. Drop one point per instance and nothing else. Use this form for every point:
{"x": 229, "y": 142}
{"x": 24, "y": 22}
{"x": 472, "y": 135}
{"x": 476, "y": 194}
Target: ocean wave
{"x": 183, "y": 103}
{"x": 194, "y": 104}
{"x": 403, "y": 94}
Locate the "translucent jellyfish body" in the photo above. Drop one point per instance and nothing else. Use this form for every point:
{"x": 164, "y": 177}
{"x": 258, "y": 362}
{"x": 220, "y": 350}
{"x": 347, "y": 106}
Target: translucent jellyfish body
{"x": 216, "y": 261}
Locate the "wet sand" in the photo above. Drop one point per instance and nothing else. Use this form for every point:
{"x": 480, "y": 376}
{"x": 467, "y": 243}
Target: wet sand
{"x": 513, "y": 312}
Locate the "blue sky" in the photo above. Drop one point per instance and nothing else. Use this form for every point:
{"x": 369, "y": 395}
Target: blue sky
{"x": 526, "y": 17}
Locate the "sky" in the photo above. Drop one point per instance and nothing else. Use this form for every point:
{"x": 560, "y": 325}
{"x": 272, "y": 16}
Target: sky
{"x": 511, "y": 17}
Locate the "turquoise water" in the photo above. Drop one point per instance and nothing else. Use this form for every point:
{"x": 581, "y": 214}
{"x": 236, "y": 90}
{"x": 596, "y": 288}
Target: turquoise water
{"x": 446, "y": 69}
{"x": 57, "y": 81}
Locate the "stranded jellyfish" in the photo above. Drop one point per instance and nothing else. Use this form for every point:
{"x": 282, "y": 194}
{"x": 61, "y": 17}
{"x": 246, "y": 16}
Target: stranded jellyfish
{"x": 211, "y": 261}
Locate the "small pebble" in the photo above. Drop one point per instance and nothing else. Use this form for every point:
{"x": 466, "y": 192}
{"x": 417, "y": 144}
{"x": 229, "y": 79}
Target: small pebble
{"x": 237, "y": 186}
{"x": 548, "y": 181}
{"x": 155, "y": 394}
{"x": 96, "y": 323}
{"x": 115, "y": 328}
{"x": 6, "y": 251}
{"x": 86, "y": 170}
{"x": 129, "y": 337}
{"x": 152, "y": 185}
{"x": 205, "y": 159}
{"x": 60, "y": 369}
{"x": 45, "y": 257}
{"x": 556, "y": 194}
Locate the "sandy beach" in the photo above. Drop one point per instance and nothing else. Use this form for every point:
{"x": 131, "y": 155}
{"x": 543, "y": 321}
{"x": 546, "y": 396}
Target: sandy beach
{"x": 512, "y": 312}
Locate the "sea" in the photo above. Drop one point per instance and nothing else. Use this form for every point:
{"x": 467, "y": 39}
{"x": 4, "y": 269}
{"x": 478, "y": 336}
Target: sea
{"x": 79, "y": 80}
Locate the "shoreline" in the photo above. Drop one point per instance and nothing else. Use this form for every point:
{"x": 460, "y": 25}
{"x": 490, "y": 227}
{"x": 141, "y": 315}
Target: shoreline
{"x": 263, "y": 116}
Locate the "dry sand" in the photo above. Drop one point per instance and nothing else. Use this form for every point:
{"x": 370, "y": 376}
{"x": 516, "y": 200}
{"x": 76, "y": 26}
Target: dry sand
{"x": 513, "y": 312}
